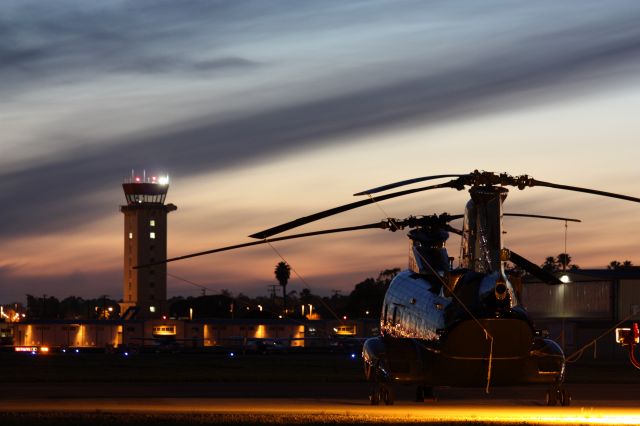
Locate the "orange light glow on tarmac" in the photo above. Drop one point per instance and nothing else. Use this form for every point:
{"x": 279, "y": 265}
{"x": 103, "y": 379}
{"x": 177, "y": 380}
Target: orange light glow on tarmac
{"x": 337, "y": 411}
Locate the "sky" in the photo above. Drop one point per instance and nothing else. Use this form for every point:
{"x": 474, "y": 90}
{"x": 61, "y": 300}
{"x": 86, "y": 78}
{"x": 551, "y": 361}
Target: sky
{"x": 263, "y": 111}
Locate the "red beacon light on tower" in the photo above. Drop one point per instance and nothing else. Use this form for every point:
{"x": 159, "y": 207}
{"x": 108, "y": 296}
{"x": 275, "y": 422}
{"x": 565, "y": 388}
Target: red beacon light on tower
{"x": 146, "y": 188}
{"x": 162, "y": 180}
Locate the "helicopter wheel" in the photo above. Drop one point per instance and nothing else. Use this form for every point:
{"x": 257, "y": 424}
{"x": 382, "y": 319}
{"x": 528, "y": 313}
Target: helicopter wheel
{"x": 374, "y": 396}
{"x": 424, "y": 393}
{"x": 430, "y": 393}
{"x": 558, "y": 395}
{"x": 551, "y": 397}
{"x": 386, "y": 394}
{"x": 564, "y": 397}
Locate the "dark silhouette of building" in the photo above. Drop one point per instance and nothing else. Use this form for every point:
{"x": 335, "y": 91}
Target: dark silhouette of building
{"x": 587, "y": 306}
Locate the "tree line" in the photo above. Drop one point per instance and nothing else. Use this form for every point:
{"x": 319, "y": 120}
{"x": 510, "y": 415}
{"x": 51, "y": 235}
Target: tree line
{"x": 563, "y": 262}
{"x": 365, "y": 300}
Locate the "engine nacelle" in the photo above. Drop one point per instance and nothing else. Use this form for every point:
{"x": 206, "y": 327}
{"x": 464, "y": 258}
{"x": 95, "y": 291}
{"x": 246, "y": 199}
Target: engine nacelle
{"x": 501, "y": 291}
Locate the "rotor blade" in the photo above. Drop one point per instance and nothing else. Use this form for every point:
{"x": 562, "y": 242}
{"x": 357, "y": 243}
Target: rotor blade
{"x": 565, "y": 219}
{"x": 402, "y": 183}
{"x": 346, "y": 207}
{"x": 538, "y": 216}
{"x": 381, "y": 225}
{"x": 454, "y": 230}
{"x": 535, "y": 182}
{"x": 533, "y": 269}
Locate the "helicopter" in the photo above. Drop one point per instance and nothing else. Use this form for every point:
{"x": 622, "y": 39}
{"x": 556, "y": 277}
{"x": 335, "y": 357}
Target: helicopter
{"x": 445, "y": 326}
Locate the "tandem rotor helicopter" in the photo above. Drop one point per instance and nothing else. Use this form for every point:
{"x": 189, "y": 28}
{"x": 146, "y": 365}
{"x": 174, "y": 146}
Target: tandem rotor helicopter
{"x": 442, "y": 326}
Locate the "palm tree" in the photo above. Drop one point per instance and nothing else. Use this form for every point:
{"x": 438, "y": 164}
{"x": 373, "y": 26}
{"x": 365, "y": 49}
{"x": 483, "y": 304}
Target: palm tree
{"x": 614, "y": 264}
{"x": 563, "y": 260}
{"x": 549, "y": 264}
{"x": 283, "y": 272}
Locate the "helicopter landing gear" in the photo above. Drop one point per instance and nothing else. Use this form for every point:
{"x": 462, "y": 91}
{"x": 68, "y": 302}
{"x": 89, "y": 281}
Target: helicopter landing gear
{"x": 425, "y": 393}
{"x": 381, "y": 393}
{"x": 557, "y": 395}
{"x": 374, "y": 396}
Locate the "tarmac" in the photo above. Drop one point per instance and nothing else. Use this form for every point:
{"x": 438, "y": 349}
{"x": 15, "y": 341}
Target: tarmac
{"x": 326, "y": 402}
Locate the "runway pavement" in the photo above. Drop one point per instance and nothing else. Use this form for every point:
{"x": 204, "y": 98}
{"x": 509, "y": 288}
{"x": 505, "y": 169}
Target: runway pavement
{"x": 336, "y": 410}
{"x": 586, "y": 394}
{"x": 340, "y": 402}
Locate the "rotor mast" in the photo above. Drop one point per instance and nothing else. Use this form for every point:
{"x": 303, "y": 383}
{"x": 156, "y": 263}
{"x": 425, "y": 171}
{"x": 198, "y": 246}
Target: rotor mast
{"x": 482, "y": 230}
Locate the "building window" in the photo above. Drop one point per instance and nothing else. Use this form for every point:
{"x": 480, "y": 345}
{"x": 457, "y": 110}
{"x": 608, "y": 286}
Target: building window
{"x": 164, "y": 330}
{"x": 152, "y": 222}
{"x": 152, "y": 235}
{"x": 131, "y": 235}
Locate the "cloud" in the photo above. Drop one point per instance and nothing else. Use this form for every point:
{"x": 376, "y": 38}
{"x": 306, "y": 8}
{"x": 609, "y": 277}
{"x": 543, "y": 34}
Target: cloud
{"x": 169, "y": 64}
{"x": 60, "y": 43}
{"x": 66, "y": 189}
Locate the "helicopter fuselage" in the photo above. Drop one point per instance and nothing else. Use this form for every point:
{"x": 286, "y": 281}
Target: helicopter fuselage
{"x": 431, "y": 339}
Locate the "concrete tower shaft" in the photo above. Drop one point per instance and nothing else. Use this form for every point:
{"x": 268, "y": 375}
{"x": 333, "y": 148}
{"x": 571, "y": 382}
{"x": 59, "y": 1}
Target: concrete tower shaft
{"x": 145, "y": 241}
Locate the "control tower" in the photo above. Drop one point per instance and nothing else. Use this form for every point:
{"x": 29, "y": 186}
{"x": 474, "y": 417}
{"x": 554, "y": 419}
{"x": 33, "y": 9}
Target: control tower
{"x": 145, "y": 241}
